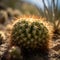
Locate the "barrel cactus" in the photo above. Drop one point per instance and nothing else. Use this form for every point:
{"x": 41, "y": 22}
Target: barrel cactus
{"x": 31, "y": 32}
{"x": 2, "y": 6}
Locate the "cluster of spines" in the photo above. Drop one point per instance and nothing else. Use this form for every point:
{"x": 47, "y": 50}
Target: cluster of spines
{"x": 15, "y": 53}
{"x": 30, "y": 32}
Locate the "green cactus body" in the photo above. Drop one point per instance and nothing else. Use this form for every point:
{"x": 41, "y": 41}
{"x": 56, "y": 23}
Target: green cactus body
{"x": 30, "y": 33}
{"x": 15, "y": 53}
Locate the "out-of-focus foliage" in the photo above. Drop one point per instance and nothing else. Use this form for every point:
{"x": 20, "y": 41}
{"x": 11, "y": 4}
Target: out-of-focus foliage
{"x": 52, "y": 13}
{"x": 29, "y": 9}
{"x": 10, "y": 3}
{"x": 24, "y": 7}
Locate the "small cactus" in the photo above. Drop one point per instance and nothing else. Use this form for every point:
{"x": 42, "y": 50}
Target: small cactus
{"x": 2, "y": 6}
{"x": 31, "y": 33}
{"x": 15, "y": 53}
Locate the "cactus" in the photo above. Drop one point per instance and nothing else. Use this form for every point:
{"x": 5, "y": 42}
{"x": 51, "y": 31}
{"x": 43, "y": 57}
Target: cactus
{"x": 15, "y": 53}
{"x": 31, "y": 33}
{"x": 3, "y": 50}
{"x": 3, "y": 17}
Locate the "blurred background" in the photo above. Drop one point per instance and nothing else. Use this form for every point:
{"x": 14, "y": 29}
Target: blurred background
{"x": 19, "y": 6}
{"x": 31, "y": 7}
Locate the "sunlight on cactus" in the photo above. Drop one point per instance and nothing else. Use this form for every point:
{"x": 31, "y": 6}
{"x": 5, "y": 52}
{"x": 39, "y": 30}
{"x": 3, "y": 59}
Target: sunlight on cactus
{"x": 31, "y": 32}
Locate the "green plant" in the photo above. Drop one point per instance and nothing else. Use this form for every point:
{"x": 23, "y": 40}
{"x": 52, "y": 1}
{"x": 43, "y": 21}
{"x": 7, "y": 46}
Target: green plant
{"x": 15, "y": 53}
{"x": 31, "y": 33}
